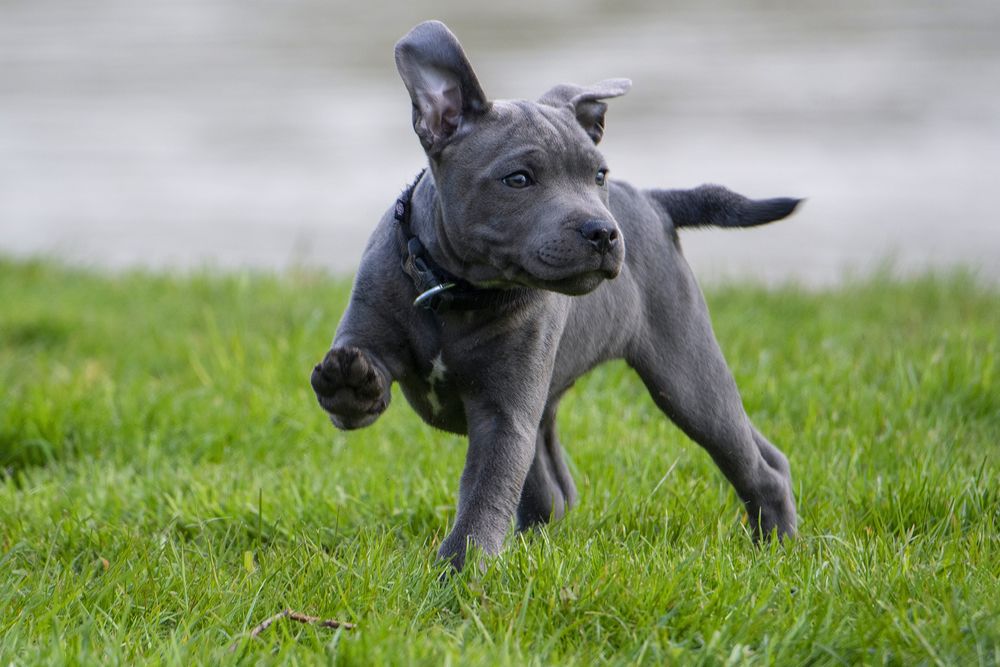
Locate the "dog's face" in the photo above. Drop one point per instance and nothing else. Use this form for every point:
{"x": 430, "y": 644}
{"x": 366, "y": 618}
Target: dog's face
{"x": 525, "y": 186}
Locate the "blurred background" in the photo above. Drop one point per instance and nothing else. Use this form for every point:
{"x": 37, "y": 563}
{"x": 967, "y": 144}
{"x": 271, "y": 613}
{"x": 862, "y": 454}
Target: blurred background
{"x": 239, "y": 133}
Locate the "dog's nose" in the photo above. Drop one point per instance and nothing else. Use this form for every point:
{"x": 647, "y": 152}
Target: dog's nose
{"x": 602, "y": 234}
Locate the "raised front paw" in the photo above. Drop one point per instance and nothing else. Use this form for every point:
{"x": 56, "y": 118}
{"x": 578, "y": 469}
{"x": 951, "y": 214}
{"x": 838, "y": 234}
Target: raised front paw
{"x": 351, "y": 387}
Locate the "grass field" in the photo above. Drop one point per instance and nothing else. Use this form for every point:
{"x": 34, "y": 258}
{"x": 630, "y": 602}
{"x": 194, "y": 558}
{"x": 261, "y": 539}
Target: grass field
{"x": 168, "y": 482}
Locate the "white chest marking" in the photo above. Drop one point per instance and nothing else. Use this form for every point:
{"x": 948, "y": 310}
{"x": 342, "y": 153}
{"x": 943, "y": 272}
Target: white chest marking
{"x": 438, "y": 369}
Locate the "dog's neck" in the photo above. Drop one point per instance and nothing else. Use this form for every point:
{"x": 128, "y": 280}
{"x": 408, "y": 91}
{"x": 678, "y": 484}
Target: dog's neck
{"x": 427, "y": 224}
{"x": 431, "y": 263}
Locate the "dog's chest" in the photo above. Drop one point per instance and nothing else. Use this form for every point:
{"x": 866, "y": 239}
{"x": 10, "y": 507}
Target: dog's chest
{"x": 432, "y": 393}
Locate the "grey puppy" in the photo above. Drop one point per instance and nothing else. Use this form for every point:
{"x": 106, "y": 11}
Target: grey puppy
{"x": 513, "y": 246}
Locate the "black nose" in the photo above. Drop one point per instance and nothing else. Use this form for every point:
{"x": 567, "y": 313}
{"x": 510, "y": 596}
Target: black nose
{"x": 602, "y": 234}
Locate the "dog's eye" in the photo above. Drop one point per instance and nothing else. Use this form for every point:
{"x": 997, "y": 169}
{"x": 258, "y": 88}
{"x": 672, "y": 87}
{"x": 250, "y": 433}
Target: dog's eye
{"x": 518, "y": 180}
{"x": 602, "y": 177}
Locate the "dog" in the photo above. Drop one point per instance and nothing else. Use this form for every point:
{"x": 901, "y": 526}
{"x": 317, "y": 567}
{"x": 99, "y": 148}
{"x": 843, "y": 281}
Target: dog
{"x": 501, "y": 276}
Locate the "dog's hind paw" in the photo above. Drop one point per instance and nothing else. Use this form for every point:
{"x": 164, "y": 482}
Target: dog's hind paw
{"x": 351, "y": 387}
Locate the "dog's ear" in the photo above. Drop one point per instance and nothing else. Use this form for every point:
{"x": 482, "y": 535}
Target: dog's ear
{"x": 441, "y": 83}
{"x": 586, "y": 102}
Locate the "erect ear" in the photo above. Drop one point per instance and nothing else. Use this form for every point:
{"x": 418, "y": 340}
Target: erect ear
{"x": 586, "y": 102}
{"x": 441, "y": 83}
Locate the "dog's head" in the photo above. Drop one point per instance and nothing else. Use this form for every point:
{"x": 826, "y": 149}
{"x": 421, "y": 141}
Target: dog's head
{"x": 522, "y": 186}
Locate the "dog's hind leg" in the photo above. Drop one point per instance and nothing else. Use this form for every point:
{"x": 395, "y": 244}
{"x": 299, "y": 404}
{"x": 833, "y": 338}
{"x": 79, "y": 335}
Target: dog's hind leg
{"x": 681, "y": 364}
{"x": 549, "y": 489}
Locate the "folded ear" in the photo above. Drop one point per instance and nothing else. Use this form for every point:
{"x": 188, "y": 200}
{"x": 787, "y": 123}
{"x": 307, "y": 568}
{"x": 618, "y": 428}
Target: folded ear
{"x": 586, "y": 102}
{"x": 441, "y": 83}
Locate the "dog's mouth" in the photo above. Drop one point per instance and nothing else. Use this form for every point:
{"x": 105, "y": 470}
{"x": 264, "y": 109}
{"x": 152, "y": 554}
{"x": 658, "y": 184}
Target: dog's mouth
{"x": 576, "y": 285}
{"x": 565, "y": 273}
{"x": 573, "y": 283}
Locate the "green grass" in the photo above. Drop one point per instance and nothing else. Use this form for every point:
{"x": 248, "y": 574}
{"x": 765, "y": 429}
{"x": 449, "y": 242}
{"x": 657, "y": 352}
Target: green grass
{"x": 168, "y": 482}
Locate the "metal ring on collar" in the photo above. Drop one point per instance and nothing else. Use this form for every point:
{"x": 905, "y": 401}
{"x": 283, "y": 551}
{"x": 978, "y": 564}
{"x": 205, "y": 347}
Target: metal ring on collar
{"x": 431, "y": 293}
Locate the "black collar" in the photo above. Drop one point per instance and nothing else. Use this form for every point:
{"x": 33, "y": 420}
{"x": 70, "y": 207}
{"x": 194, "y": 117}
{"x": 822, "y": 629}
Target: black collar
{"x": 438, "y": 289}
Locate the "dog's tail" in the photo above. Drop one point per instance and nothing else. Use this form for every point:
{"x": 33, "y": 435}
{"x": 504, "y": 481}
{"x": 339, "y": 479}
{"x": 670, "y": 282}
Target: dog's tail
{"x": 714, "y": 205}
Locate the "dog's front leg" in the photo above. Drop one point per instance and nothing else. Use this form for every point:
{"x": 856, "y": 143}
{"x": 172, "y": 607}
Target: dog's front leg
{"x": 352, "y": 382}
{"x": 501, "y": 448}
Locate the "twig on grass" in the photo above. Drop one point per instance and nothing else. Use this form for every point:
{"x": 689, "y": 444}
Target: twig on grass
{"x": 295, "y": 616}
